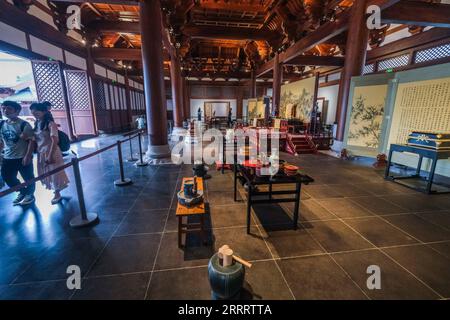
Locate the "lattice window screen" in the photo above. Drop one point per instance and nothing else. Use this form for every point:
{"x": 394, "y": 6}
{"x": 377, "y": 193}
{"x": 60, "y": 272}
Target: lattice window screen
{"x": 136, "y": 100}
{"x": 433, "y": 53}
{"x": 78, "y": 90}
{"x": 111, "y": 97}
{"x": 124, "y": 101}
{"x": 119, "y": 95}
{"x": 121, "y": 99}
{"x": 108, "y": 104}
{"x": 369, "y": 68}
{"x": 99, "y": 95}
{"x": 131, "y": 100}
{"x": 49, "y": 83}
{"x": 116, "y": 98}
{"x": 394, "y": 62}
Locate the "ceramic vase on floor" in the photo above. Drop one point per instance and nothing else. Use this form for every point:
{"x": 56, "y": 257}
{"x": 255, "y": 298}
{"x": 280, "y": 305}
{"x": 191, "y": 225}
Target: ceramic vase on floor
{"x": 226, "y": 282}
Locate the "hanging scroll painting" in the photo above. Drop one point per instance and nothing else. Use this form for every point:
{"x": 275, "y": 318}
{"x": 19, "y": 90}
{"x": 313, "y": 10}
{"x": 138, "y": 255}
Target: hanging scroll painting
{"x": 252, "y": 109}
{"x": 366, "y": 116}
{"x": 297, "y": 99}
{"x": 256, "y": 109}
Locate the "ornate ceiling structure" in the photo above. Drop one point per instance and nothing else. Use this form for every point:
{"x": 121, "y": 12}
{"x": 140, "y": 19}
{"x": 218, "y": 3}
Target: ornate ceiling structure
{"x": 212, "y": 38}
{"x": 217, "y": 38}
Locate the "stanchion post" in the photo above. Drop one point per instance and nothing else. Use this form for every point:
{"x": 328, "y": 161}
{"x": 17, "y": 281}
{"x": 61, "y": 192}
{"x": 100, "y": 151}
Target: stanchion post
{"x": 131, "y": 158}
{"x": 141, "y": 162}
{"x": 86, "y": 218}
{"x": 122, "y": 181}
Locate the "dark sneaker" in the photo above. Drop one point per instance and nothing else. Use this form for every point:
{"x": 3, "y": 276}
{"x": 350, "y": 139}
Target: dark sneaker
{"x": 19, "y": 198}
{"x": 27, "y": 200}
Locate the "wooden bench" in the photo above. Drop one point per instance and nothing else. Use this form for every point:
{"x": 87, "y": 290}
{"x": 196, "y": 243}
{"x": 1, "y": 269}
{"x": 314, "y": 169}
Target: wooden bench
{"x": 183, "y": 211}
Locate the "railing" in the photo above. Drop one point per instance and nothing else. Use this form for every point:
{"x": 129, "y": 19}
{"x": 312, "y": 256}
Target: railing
{"x": 85, "y": 217}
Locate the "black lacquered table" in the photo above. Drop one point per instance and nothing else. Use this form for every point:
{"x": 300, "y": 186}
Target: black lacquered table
{"x": 247, "y": 176}
{"x": 432, "y": 154}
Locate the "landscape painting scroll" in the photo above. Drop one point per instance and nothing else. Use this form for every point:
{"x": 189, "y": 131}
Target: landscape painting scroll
{"x": 256, "y": 109}
{"x": 297, "y": 99}
{"x": 366, "y": 117}
{"x": 252, "y": 109}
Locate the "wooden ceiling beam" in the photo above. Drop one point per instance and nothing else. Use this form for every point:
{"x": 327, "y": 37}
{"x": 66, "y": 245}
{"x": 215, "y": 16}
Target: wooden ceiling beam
{"x": 116, "y": 54}
{"x": 120, "y": 54}
{"x": 117, "y": 2}
{"x": 229, "y": 33}
{"x": 266, "y": 67}
{"x": 383, "y": 4}
{"x": 310, "y": 60}
{"x": 408, "y": 43}
{"x": 205, "y": 74}
{"x": 322, "y": 34}
{"x": 418, "y": 13}
{"x": 231, "y": 6}
{"x": 15, "y": 17}
{"x": 195, "y": 32}
{"x": 106, "y": 26}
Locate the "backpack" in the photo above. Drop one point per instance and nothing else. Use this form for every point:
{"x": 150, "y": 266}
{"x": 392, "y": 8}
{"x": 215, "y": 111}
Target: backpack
{"x": 64, "y": 141}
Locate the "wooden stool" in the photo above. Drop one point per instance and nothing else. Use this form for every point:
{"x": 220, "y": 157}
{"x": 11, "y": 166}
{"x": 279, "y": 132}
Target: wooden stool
{"x": 183, "y": 211}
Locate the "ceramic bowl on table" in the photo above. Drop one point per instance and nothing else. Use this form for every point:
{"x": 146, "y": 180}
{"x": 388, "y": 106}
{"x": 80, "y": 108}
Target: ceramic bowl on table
{"x": 290, "y": 169}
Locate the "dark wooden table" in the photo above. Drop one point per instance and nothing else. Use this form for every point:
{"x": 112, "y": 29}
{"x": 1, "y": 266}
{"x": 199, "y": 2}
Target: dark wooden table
{"x": 432, "y": 154}
{"x": 246, "y": 176}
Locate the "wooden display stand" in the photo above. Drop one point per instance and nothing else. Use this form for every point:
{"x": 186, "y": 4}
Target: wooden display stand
{"x": 184, "y": 211}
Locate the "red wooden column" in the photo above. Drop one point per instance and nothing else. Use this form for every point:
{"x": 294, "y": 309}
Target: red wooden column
{"x": 253, "y": 85}
{"x": 239, "y": 102}
{"x": 152, "y": 63}
{"x": 277, "y": 79}
{"x": 177, "y": 92}
{"x": 91, "y": 74}
{"x": 355, "y": 59}
{"x": 128, "y": 98}
{"x": 187, "y": 99}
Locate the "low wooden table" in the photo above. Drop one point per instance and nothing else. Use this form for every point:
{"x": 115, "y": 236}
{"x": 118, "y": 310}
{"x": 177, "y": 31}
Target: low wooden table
{"x": 183, "y": 211}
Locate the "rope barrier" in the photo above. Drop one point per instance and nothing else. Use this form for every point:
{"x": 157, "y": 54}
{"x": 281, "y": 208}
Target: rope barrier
{"x": 141, "y": 162}
{"x": 85, "y": 217}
